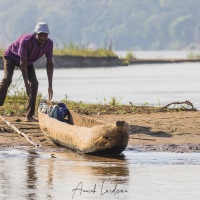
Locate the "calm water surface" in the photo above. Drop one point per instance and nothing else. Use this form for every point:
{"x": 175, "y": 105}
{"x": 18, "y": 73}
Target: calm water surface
{"x": 67, "y": 175}
{"x": 139, "y": 84}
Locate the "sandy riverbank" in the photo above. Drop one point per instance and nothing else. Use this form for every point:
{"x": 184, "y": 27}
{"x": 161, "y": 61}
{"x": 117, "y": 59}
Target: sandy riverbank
{"x": 170, "y": 131}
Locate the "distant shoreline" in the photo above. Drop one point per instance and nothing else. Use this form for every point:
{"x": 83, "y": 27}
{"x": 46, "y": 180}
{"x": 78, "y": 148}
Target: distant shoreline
{"x": 90, "y": 62}
{"x": 163, "y": 60}
{"x": 77, "y": 62}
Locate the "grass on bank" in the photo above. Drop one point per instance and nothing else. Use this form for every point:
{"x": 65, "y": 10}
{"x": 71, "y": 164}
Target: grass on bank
{"x": 80, "y": 50}
{"x": 192, "y": 55}
{"x": 16, "y": 104}
{"x": 130, "y": 56}
{"x": 2, "y": 50}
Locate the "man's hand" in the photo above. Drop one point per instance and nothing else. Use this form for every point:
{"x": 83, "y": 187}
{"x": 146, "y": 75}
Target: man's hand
{"x": 50, "y": 92}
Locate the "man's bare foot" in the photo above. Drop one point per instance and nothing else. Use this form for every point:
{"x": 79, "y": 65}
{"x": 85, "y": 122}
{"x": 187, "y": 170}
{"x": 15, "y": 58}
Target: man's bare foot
{"x": 30, "y": 119}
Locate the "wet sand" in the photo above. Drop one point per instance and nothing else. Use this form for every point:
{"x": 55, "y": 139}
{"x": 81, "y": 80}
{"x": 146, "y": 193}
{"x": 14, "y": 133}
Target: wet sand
{"x": 169, "y": 131}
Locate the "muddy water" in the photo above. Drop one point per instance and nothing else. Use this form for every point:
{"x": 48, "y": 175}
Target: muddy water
{"x": 68, "y": 175}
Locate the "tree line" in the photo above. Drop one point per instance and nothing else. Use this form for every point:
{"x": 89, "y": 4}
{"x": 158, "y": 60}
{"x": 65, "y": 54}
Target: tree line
{"x": 122, "y": 25}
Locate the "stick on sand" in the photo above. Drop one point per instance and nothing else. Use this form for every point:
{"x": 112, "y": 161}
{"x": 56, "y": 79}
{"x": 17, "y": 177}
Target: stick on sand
{"x": 19, "y": 132}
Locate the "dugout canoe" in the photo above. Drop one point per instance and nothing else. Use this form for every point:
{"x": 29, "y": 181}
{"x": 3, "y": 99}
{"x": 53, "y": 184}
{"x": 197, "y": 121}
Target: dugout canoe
{"x": 85, "y": 134}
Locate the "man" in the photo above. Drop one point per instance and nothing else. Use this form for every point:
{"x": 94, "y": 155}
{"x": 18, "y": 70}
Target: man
{"x": 23, "y": 53}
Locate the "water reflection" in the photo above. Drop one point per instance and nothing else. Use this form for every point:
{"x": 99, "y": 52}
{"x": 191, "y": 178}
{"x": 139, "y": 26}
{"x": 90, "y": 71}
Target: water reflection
{"x": 4, "y": 180}
{"x": 50, "y": 171}
{"x": 47, "y": 175}
{"x": 100, "y": 166}
{"x": 65, "y": 175}
{"x": 111, "y": 166}
{"x": 50, "y": 177}
{"x": 31, "y": 176}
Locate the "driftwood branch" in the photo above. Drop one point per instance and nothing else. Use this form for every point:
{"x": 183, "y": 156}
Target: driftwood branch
{"x": 182, "y": 107}
{"x": 19, "y": 132}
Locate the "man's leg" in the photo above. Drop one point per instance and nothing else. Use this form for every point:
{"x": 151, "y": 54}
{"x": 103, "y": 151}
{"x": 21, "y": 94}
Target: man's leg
{"x": 9, "y": 67}
{"x": 34, "y": 88}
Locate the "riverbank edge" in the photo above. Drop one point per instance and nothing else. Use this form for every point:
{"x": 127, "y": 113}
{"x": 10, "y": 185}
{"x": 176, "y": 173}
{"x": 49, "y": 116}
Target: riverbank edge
{"x": 77, "y": 62}
{"x": 163, "y": 61}
{"x": 90, "y": 62}
{"x": 155, "y": 132}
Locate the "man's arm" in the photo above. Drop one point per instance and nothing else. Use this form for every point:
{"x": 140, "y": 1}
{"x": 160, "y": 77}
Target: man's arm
{"x": 23, "y": 66}
{"x": 49, "y": 68}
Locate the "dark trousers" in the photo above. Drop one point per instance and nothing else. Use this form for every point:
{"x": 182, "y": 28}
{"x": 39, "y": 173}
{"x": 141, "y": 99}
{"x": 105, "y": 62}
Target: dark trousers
{"x": 9, "y": 67}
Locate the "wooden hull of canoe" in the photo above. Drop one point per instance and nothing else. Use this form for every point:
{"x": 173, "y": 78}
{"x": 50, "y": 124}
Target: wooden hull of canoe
{"x": 85, "y": 134}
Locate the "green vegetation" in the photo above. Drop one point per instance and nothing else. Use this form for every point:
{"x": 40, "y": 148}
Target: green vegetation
{"x": 193, "y": 56}
{"x": 129, "y": 24}
{"x": 1, "y": 51}
{"x": 90, "y": 109}
{"x": 129, "y": 57}
{"x": 16, "y": 104}
{"x": 80, "y": 50}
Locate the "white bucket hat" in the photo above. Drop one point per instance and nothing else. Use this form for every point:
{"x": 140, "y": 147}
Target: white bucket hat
{"x": 41, "y": 27}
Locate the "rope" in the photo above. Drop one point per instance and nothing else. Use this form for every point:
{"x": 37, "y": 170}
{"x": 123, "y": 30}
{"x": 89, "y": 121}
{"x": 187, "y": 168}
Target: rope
{"x": 19, "y": 132}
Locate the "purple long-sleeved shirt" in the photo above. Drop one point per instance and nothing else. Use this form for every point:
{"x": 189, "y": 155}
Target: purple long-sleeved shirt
{"x": 27, "y": 46}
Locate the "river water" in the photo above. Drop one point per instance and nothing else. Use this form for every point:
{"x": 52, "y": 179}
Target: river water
{"x": 153, "y": 84}
{"x": 68, "y": 175}
{"x": 35, "y": 174}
